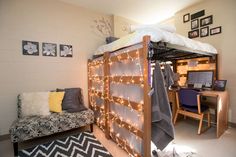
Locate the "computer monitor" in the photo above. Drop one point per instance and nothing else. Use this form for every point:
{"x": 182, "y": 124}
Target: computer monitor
{"x": 202, "y": 78}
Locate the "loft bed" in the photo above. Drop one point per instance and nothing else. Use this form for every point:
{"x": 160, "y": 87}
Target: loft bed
{"x": 119, "y": 83}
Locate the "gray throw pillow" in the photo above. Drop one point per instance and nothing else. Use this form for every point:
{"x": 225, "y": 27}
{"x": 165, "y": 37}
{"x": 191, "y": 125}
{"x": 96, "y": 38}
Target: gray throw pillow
{"x": 111, "y": 39}
{"x": 73, "y": 100}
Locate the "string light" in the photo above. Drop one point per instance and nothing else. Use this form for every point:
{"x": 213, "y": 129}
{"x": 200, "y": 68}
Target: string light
{"x": 129, "y": 148}
{"x": 123, "y": 124}
{"x": 105, "y": 96}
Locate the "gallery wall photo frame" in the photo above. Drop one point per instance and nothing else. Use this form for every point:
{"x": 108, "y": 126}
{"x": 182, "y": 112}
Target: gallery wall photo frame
{"x": 204, "y": 31}
{"x": 186, "y": 17}
{"x": 206, "y": 21}
{"x": 194, "y": 24}
{"x": 197, "y": 14}
{"x": 49, "y": 49}
{"x": 66, "y": 50}
{"x": 215, "y": 30}
{"x": 30, "y": 48}
{"x": 193, "y": 34}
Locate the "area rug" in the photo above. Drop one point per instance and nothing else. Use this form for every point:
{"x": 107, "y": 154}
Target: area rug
{"x": 84, "y": 144}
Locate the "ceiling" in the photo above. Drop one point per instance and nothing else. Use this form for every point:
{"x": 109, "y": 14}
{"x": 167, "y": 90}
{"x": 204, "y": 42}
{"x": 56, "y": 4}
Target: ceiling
{"x": 141, "y": 11}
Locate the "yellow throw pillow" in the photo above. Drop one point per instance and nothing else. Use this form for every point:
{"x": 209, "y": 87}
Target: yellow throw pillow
{"x": 55, "y": 101}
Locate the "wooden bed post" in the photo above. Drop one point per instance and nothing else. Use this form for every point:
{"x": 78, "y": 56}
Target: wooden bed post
{"x": 147, "y": 101}
{"x": 89, "y": 88}
{"x": 106, "y": 90}
{"x": 89, "y": 83}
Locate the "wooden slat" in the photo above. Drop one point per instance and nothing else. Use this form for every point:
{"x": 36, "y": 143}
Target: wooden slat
{"x": 134, "y": 105}
{"x": 183, "y": 75}
{"x": 182, "y": 63}
{"x": 147, "y": 101}
{"x": 124, "y": 56}
{"x": 124, "y": 145}
{"x": 126, "y": 125}
{"x": 106, "y": 89}
{"x": 127, "y": 79}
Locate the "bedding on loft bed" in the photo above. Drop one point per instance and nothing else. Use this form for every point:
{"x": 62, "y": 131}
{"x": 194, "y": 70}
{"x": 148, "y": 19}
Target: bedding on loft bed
{"x": 174, "y": 42}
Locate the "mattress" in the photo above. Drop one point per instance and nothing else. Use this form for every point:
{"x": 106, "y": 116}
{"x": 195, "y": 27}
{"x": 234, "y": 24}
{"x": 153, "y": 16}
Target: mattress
{"x": 157, "y": 35}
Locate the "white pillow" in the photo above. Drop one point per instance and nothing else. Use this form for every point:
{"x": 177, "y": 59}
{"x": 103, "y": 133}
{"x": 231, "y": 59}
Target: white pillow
{"x": 36, "y": 103}
{"x": 168, "y": 28}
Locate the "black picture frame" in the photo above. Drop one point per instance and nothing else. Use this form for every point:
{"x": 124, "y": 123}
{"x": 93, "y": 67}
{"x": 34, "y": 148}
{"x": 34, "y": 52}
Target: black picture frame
{"x": 49, "y": 49}
{"x": 194, "y": 24}
{"x": 30, "y": 48}
{"x": 186, "y": 17}
{"x": 193, "y": 34}
{"x": 204, "y": 31}
{"x": 219, "y": 85}
{"x": 216, "y": 30}
{"x": 197, "y": 14}
{"x": 206, "y": 21}
{"x": 66, "y": 50}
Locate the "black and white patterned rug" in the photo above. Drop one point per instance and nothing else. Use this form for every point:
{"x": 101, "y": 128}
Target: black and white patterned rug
{"x": 81, "y": 145}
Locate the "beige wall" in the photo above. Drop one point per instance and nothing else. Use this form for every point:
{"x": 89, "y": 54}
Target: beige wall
{"x": 169, "y": 21}
{"x": 122, "y": 26}
{"x": 42, "y": 21}
{"x": 223, "y": 15}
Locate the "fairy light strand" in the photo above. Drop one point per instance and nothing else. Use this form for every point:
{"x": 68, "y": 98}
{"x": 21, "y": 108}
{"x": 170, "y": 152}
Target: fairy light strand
{"x": 133, "y": 56}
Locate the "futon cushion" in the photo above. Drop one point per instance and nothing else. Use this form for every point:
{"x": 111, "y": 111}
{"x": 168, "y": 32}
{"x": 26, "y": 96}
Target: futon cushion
{"x": 73, "y": 100}
{"x": 55, "y": 101}
{"x": 35, "y": 103}
{"x": 30, "y": 127}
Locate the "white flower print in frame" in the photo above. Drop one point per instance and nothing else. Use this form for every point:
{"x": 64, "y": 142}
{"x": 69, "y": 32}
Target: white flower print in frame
{"x": 66, "y": 50}
{"x": 49, "y": 49}
{"x": 30, "y": 48}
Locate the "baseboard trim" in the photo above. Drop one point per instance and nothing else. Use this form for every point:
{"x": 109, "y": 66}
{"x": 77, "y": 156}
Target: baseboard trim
{"x": 4, "y": 137}
{"x": 233, "y": 125}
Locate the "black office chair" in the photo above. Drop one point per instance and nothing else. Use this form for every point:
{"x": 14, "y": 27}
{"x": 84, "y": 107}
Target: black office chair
{"x": 188, "y": 104}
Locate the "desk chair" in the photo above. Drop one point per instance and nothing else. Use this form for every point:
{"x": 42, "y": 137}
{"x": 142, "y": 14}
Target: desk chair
{"x": 188, "y": 104}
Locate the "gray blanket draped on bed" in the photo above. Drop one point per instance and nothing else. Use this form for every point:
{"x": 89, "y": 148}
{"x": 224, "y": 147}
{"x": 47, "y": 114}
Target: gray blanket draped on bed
{"x": 162, "y": 126}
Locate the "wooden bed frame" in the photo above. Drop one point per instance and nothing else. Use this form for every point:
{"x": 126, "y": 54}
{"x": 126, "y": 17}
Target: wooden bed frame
{"x": 144, "y": 107}
{"x": 145, "y": 134}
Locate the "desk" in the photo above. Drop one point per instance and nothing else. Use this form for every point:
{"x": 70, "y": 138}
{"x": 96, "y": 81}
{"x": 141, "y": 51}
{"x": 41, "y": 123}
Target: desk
{"x": 221, "y": 106}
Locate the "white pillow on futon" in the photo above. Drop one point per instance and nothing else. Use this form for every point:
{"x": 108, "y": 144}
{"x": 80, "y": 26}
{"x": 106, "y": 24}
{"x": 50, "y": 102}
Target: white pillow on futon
{"x": 36, "y": 103}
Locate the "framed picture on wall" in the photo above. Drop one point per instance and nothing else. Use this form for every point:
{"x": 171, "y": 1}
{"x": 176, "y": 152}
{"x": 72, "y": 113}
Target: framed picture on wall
{"x": 206, "y": 21}
{"x": 30, "y": 48}
{"x": 66, "y": 50}
{"x": 193, "y": 34}
{"x": 49, "y": 49}
{"x": 215, "y": 30}
{"x": 204, "y": 31}
{"x": 186, "y": 17}
{"x": 194, "y": 24}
